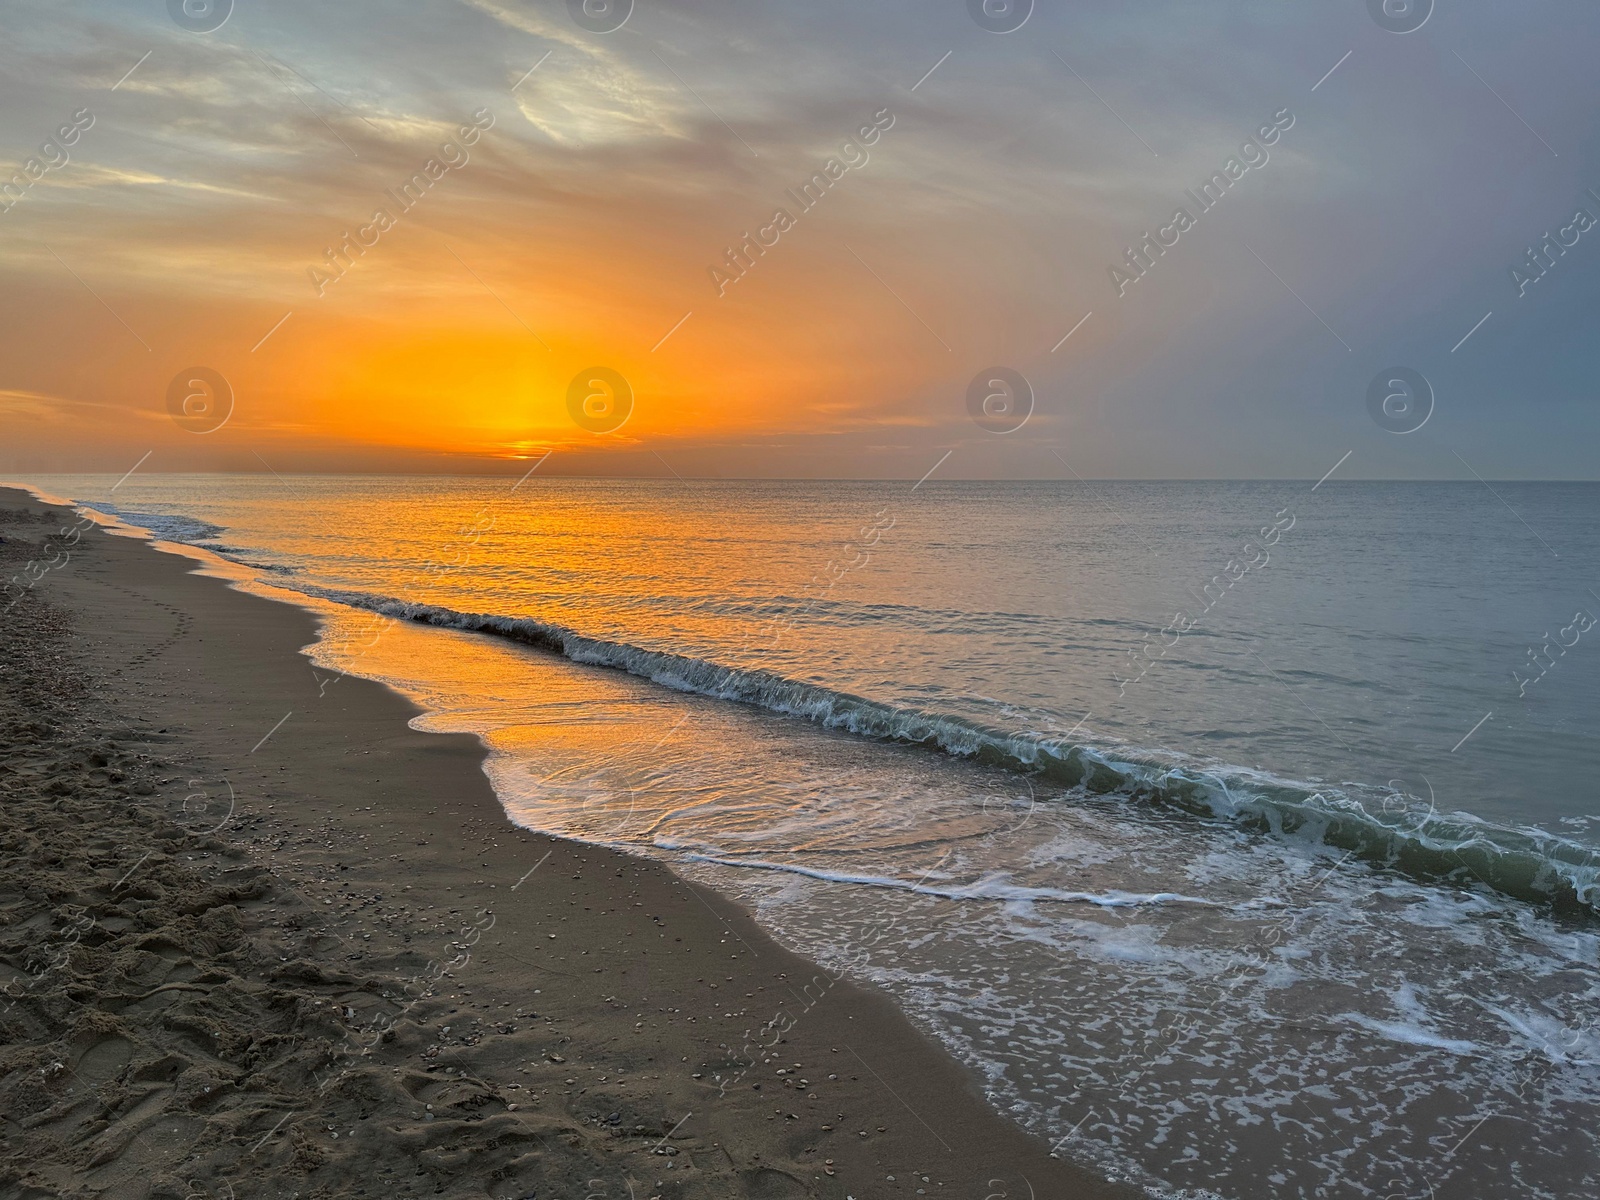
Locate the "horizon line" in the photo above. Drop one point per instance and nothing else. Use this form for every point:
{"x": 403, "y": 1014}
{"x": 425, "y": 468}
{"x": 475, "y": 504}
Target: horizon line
{"x": 9, "y": 482}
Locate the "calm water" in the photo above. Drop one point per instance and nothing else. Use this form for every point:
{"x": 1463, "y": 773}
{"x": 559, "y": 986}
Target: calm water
{"x": 1243, "y": 836}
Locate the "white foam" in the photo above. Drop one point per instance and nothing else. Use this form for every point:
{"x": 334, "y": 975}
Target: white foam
{"x": 1412, "y": 1035}
{"x": 989, "y": 888}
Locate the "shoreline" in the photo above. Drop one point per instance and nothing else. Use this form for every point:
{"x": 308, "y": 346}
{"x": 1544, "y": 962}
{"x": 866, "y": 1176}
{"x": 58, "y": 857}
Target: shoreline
{"x": 395, "y": 899}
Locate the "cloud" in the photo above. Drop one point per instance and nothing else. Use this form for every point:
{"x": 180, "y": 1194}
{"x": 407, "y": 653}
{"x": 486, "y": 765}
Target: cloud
{"x": 623, "y": 168}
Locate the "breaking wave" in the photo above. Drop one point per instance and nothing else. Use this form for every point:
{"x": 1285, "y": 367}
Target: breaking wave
{"x": 1383, "y": 827}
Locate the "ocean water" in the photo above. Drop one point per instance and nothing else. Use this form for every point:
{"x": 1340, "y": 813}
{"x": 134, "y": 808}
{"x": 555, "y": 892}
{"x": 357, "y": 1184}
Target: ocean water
{"x": 1243, "y": 836}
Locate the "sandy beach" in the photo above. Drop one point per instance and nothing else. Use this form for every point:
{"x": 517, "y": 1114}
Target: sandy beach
{"x": 261, "y": 938}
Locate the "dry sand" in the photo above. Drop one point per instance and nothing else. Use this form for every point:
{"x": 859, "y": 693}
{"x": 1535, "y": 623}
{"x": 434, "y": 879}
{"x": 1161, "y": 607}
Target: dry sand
{"x": 244, "y": 955}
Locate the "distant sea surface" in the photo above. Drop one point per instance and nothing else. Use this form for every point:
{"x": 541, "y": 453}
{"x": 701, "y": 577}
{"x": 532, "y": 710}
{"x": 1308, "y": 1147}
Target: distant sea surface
{"x": 1242, "y": 836}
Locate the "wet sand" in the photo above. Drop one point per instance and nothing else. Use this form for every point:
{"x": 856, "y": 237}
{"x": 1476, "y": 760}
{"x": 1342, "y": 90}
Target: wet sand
{"x": 260, "y": 938}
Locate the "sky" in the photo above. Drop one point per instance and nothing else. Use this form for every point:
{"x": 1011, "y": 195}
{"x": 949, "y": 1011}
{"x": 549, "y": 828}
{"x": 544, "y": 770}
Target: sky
{"x": 207, "y": 257}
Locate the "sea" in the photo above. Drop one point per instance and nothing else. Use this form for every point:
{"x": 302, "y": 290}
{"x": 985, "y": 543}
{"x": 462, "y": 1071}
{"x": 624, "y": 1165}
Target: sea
{"x": 1242, "y": 838}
